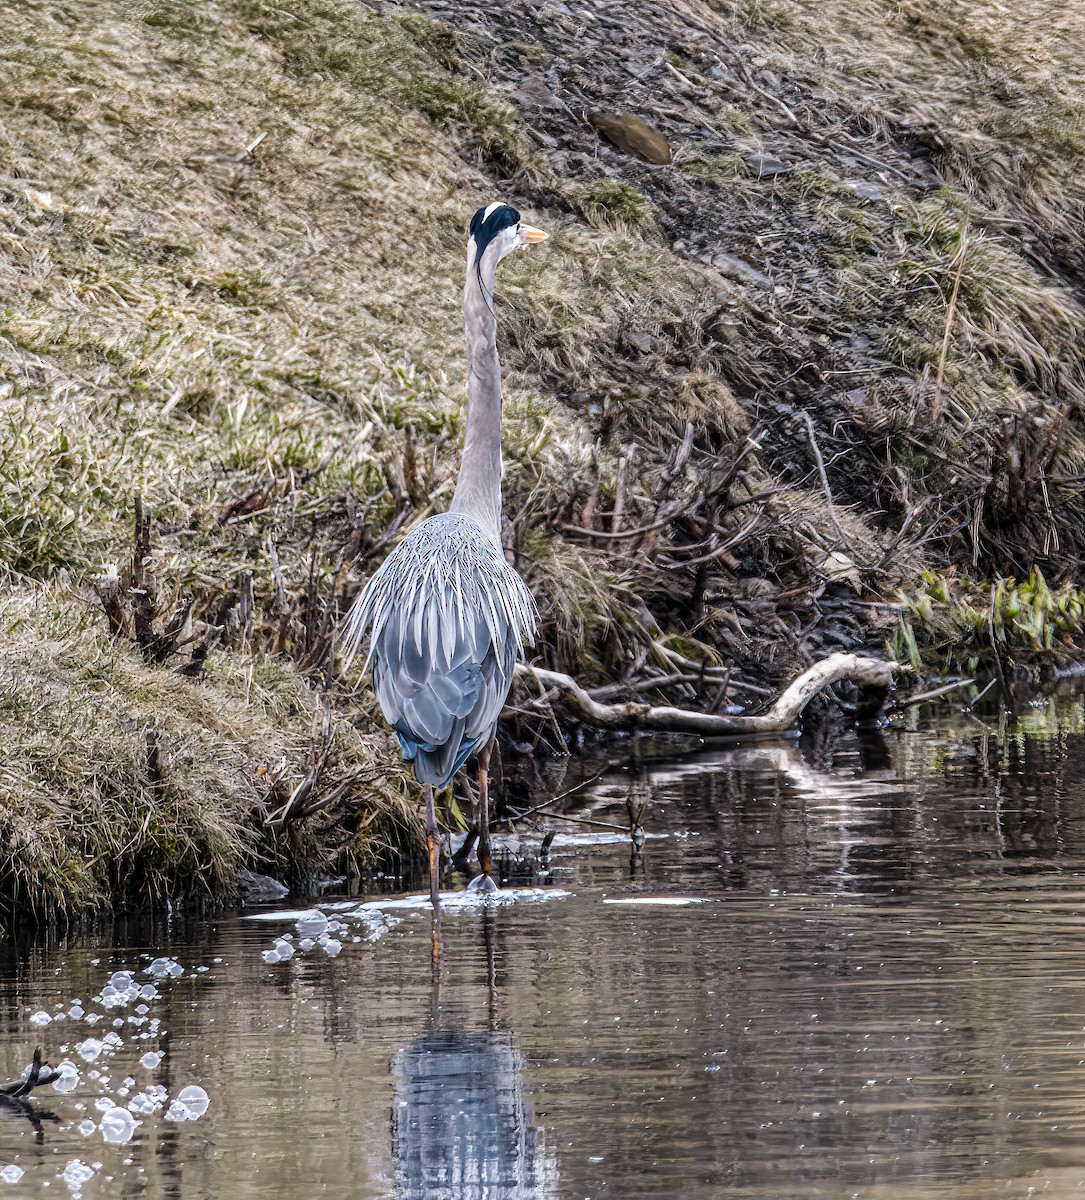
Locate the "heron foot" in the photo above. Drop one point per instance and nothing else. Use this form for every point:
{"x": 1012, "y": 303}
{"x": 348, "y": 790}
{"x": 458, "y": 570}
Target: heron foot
{"x": 482, "y": 883}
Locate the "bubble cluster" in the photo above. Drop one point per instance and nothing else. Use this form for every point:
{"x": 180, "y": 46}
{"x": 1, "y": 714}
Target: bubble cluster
{"x": 75, "y": 1174}
{"x": 121, "y": 1010}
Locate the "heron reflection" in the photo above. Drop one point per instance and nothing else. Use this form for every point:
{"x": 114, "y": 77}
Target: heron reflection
{"x": 462, "y": 1127}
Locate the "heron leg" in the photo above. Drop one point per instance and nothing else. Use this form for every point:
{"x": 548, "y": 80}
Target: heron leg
{"x": 488, "y": 884}
{"x": 434, "y": 846}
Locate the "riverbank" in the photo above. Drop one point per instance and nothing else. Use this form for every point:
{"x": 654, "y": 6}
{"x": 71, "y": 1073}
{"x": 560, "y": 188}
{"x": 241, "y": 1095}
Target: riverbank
{"x": 752, "y": 392}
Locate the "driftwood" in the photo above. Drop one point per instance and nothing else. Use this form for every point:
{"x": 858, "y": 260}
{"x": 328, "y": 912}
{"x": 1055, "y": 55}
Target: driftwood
{"x": 873, "y": 676}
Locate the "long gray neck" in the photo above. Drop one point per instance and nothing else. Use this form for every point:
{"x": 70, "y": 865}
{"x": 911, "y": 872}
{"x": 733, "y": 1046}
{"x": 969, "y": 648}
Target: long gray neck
{"x": 478, "y": 488}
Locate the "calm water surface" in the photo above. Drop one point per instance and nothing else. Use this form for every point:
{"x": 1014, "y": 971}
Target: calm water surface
{"x": 879, "y": 992}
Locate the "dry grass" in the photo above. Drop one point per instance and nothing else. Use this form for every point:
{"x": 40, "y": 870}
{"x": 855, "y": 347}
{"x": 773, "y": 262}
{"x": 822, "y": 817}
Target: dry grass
{"x": 125, "y": 782}
{"x": 995, "y": 92}
{"x": 231, "y": 241}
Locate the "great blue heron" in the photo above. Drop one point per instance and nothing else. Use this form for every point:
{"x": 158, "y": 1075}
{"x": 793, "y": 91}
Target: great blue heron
{"x": 446, "y": 613}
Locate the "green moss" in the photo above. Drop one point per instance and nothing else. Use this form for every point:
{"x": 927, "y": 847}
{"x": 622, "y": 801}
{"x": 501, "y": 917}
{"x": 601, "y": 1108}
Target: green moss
{"x": 735, "y": 120}
{"x": 615, "y": 205}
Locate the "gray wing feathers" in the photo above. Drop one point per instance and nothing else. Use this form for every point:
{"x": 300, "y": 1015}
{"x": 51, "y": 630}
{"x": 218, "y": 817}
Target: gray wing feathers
{"x": 447, "y": 618}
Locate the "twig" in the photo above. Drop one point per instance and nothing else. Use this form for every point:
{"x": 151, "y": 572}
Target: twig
{"x": 562, "y": 817}
{"x": 980, "y": 696}
{"x": 951, "y": 310}
{"x": 922, "y": 697}
{"x": 821, "y": 472}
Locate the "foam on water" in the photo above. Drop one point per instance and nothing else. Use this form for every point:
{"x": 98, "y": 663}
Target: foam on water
{"x": 469, "y": 899}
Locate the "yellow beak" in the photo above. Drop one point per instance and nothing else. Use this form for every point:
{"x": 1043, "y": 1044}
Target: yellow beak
{"x": 530, "y": 235}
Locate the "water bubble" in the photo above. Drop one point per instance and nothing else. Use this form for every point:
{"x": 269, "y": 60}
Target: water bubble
{"x": 121, "y": 980}
{"x": 147, "y": 992}
{"x": 311, "y": 923}
{"x": 40, "y": 1018}
{"x": 103, "y": 1104}
{"x": 11, "y": 1173}
{"x": 86, "y": 1128}
{"x": 68, "y": 1079}
{"x": 270, "y": 956}
{"x": 75, "y": 1012}
{"x": 142, "y": 1009}
{"x": 306, "y": 943}
{"x": 89, "y": 1050}
{"x": 112, "y": 1040}
{"x": 332, "y": 947}
{"x": 151, "y": 1059}
{"x": 195, "y": 1099}
{"x": 92, "y": 1018}
{"x": 117, "y": 1126}
{"x": 177, "y": 1112}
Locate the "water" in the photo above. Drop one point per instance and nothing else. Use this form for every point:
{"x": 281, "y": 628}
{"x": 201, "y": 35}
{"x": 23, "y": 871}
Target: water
{"x": 854, "y": 969}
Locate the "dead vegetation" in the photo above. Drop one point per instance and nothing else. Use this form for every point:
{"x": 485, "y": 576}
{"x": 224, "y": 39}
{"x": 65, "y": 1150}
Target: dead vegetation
{"x": 834, "y": 340}
{"x": 122, "y": 780}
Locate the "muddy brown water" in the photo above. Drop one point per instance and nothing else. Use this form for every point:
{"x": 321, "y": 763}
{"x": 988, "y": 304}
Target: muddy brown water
{"x": 854, "y": 969}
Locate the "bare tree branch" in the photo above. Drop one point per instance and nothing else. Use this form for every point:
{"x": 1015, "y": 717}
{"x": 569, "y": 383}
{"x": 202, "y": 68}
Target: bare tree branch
{"x": 872, "y": 674}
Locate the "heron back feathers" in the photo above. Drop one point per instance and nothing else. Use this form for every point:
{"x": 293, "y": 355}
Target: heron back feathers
{"x": 447, "y": 617}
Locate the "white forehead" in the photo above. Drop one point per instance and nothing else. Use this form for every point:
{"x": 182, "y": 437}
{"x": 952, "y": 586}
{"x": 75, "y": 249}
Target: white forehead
{"x": 491, "y": 209}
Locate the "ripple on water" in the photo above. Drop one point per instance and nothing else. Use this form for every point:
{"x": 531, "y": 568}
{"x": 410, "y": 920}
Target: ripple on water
{"x": 860, "y": 978}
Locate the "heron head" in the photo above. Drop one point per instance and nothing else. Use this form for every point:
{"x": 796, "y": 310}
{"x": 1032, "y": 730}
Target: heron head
{"x": 497, "y": 230}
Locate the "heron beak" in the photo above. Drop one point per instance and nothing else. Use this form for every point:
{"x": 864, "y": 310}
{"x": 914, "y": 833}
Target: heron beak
{"x": 529, "y": 235}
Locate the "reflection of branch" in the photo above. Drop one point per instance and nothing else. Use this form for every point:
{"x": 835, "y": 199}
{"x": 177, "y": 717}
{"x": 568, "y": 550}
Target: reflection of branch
{"x": 869, "y": 673}
{"x": 35, "y": 1077}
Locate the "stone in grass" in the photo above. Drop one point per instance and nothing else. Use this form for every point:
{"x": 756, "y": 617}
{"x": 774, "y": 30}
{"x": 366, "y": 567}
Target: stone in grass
{"x": 633, "y": 135}
{"x": 764, "y": 166}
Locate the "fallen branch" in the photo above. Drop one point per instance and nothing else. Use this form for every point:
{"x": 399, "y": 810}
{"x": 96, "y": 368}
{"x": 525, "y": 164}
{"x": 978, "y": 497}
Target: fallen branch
{"x": 871, "y": 674}
{"x": 933, "y": 694}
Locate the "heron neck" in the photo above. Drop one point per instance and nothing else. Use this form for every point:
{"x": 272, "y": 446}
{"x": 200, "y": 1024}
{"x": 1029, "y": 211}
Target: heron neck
{"x": 478, "y": 488}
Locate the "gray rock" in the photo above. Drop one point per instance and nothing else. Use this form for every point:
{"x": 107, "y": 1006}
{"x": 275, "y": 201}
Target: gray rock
{"x": 259, "y": 889}
{"x": 641, "y": 341}
{"x": 864, "y": 190}
{"x": 764, "y": 166}
{"x": 738, "y": 268}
